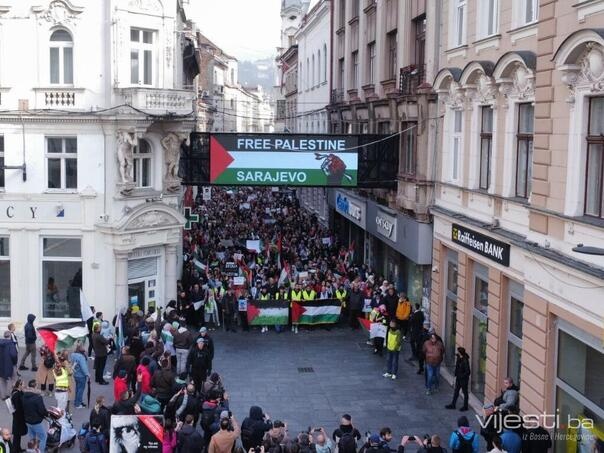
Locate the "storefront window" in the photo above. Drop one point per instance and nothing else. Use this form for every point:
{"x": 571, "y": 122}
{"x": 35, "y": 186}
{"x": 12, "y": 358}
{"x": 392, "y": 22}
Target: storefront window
{"x": 415, "y": 280}
{"x": 479, "y": 330}
{"x": 451, "y": 309}
{"x": 4, "y": 278}
{"x": 516, "y": 307}
{"x": 579, "y": 394}
{"x": 61, "y": 277}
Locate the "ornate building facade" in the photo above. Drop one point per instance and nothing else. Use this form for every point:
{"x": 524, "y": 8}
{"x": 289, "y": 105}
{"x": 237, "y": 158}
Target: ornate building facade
{"x": 90, "y": 133}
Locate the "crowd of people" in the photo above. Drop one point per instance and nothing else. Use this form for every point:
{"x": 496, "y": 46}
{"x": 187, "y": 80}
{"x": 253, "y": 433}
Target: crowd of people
{"x": 165, "y": 359}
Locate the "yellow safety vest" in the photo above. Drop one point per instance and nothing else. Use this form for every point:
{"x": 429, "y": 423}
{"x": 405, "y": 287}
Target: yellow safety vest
{"x": 265, "y": 296}
{"x": 61, "y": 381}
{"x": 341, "y": 295}
{"x": 309, "y": 296}
{"x": 278, "y": 296}
{"x": 297, "y": 296}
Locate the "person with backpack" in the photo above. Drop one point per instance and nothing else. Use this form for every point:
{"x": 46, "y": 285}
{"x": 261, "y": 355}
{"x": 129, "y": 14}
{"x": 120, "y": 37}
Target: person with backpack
{"x": 463, "y": 439}
{"x": 374, "y": 445}
{"x": 253, "y": 428}
{"x": 346, "y": 436}
{"x": 462, "y": 379}
{"x": 30, "y": 343}
{"x": 189, "y": 439}
{"x": 95, "y": 441}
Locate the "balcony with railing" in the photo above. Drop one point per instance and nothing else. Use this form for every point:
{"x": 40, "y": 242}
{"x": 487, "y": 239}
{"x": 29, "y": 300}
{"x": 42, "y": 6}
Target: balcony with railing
{"x": 411, "y": 77}
{"x": 158, "y": 100}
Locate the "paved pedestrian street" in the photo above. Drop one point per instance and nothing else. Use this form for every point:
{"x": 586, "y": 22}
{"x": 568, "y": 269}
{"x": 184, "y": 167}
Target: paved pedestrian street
{"x": 311, "y": 379}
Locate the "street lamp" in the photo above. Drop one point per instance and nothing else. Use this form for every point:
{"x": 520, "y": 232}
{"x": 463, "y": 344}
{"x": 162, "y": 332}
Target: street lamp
{"x": 588, "y": 250}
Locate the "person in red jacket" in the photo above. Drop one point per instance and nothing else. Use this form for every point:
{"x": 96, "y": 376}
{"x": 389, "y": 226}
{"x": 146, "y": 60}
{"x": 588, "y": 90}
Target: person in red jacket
{"x": 143, "y": 371}
{"x": 120, "y": 384}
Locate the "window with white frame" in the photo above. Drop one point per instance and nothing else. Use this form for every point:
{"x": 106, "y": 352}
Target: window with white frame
{"x": 516, "y": 307}
{"x": 391, "y": 39}
{"x": 486, "y": 146}
{"x": 1, "y": 161}
{"x": 141, "y": 56}
{"x": 371, "y": 65}
{"x": 459, "y": 22}
{"x": 594, "y": 171}
{"x": 62, "y": 162}
{"x": 456, "y": 137}
{"x": 488, "y": 23}
{"x": 61, "y": 58}
{"x": 528, "y": 11}
{"x": 524, "y": 149}
{"x": 4, "y": 278}
{"x": 61, "y": 277}
{"x": 142, "y": 164}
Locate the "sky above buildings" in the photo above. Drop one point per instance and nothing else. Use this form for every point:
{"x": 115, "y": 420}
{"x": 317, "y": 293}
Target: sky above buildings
{"x": 246, "y": 29}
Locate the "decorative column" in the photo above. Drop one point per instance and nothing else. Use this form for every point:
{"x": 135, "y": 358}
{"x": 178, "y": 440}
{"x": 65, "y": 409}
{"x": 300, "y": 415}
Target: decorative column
{"x": 121, "y": 280}
{"x": 171, "y": 274}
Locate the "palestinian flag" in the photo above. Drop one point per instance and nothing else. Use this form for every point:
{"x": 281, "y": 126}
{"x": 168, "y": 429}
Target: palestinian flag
{"x": 63, "y": 335}
{"x": 267, "y": 312}
{"x": 375, "y": 329}
{"x": 311, "y": 312}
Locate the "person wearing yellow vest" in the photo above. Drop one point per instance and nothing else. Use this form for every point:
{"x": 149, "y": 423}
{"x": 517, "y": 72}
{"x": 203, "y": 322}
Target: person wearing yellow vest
{"x": 394, "y": 341}
{"x": 281, "y": 295}
{"x": 341, "y": 294}
{"x": 403, "y": 313}
{"x": 61, "y": 377}
{"x": 264, "y": 296}
{"x": 295, "y": 297}
{"x": 308, "y": 293}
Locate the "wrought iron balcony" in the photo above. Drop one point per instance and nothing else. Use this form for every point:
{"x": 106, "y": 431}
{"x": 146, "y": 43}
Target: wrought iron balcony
{"x": 411, "y": 77}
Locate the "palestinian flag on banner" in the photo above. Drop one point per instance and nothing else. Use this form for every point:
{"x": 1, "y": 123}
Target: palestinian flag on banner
{"x": 375, "y": 329}
{"x": 63, "y": 335}
{"x": 267, "y": 312}
{"x": 311, "y": 312}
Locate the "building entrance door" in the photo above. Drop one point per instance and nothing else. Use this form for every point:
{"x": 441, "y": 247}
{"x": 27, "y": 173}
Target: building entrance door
{"x": 136, "y": 294}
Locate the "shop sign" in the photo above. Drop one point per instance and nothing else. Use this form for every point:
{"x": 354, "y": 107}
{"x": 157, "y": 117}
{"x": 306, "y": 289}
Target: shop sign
{"x": 347, "y": 207}
{"x": 483, "y": 245}
{"x": 145, "y": 252}
{"x": 386, "y": 225}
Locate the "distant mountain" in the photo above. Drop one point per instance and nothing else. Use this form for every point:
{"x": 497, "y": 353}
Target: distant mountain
{"x": 259, "y": 72}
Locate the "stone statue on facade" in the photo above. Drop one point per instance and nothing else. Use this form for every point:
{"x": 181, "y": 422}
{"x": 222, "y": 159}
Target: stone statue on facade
{"x": 126, "y": 141}
{"x": 171, "y": 143}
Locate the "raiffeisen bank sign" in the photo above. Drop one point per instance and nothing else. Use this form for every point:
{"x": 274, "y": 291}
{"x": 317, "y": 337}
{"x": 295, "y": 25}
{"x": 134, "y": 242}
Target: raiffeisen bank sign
{"x": 283, "y": 160}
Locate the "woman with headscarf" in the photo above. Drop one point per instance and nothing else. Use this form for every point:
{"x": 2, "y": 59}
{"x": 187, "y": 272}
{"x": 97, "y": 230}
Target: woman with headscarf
{"x": 19, "y": 426}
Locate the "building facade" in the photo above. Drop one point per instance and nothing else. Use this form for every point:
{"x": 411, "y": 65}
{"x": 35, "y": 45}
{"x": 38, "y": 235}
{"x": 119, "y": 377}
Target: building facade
{"x": 380, "y": 59}
{"x": 90, "y": 137}
{"x": 519, "y": 186}
{"x": 314, "y": 57}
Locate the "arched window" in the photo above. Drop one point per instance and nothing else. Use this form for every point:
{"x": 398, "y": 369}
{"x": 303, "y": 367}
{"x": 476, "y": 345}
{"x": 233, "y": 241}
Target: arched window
{"x": 324, "y": 62}
{"x": 61, "y": 58}
{"x": 142, "y": 164}
{"x": 319, "y": 67}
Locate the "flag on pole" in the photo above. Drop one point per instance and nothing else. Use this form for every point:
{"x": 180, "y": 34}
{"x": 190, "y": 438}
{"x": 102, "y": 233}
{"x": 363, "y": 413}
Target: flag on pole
{"x": 279, "y": 252}
{"x": 284, "y": 274}
{"x": 85, "y": 309}
{"x": 63, "y": 335}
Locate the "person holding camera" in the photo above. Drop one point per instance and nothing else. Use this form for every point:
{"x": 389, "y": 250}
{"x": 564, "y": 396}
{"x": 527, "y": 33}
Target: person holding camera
{"x": 429, "y": 444}
{"x": 275, "y": 440}
{"x": 322, "y": 442}
{"x": 224, "y": 439}
{"x": 253, "y": 428}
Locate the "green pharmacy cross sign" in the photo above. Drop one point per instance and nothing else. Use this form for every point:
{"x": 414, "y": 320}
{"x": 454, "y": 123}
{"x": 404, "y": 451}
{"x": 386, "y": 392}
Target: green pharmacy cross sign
{"x": 191, "y": 218}
{"x": 283, "y": 160}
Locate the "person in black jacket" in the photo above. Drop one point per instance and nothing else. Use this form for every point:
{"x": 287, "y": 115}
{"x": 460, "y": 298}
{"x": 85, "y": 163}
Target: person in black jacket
{"x": 536, "y": 440}
{"x": 100, "y": 416}
{"x": 89, "y": 324}
{"x": 391, "y": 302}
{"x": 162, "y": 383}
{"x": 416, "y": 322}
{"x": 491, "y": 425}
{"x": 30, "y": 343}
{"x": 189, "y": 439}
{"x": 346, "y": 436}
{"x": 198, "y": 363}
{"x": 355, "y": 302}
{"x": 462, "y": 379}
{"x": 254, "y": 427}
{"x": 209, "y": 345}
{"x": 34, "y": 412}
{"x": 19, "y": 426}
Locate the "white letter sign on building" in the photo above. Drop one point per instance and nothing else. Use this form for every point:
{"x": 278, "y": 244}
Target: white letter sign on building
{"x": 386, "y": 225}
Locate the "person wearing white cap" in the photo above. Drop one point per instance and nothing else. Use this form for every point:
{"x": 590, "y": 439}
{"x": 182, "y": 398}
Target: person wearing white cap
{"x": 203, "y": 333}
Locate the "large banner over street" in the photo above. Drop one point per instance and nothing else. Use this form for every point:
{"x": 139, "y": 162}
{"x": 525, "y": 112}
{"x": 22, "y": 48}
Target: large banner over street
{"x": 283, "y": 160}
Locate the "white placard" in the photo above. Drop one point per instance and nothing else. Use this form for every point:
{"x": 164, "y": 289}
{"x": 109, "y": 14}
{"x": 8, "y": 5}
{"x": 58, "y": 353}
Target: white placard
{"x": 238, "y": 281}
{"x": 253, "y": 245}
